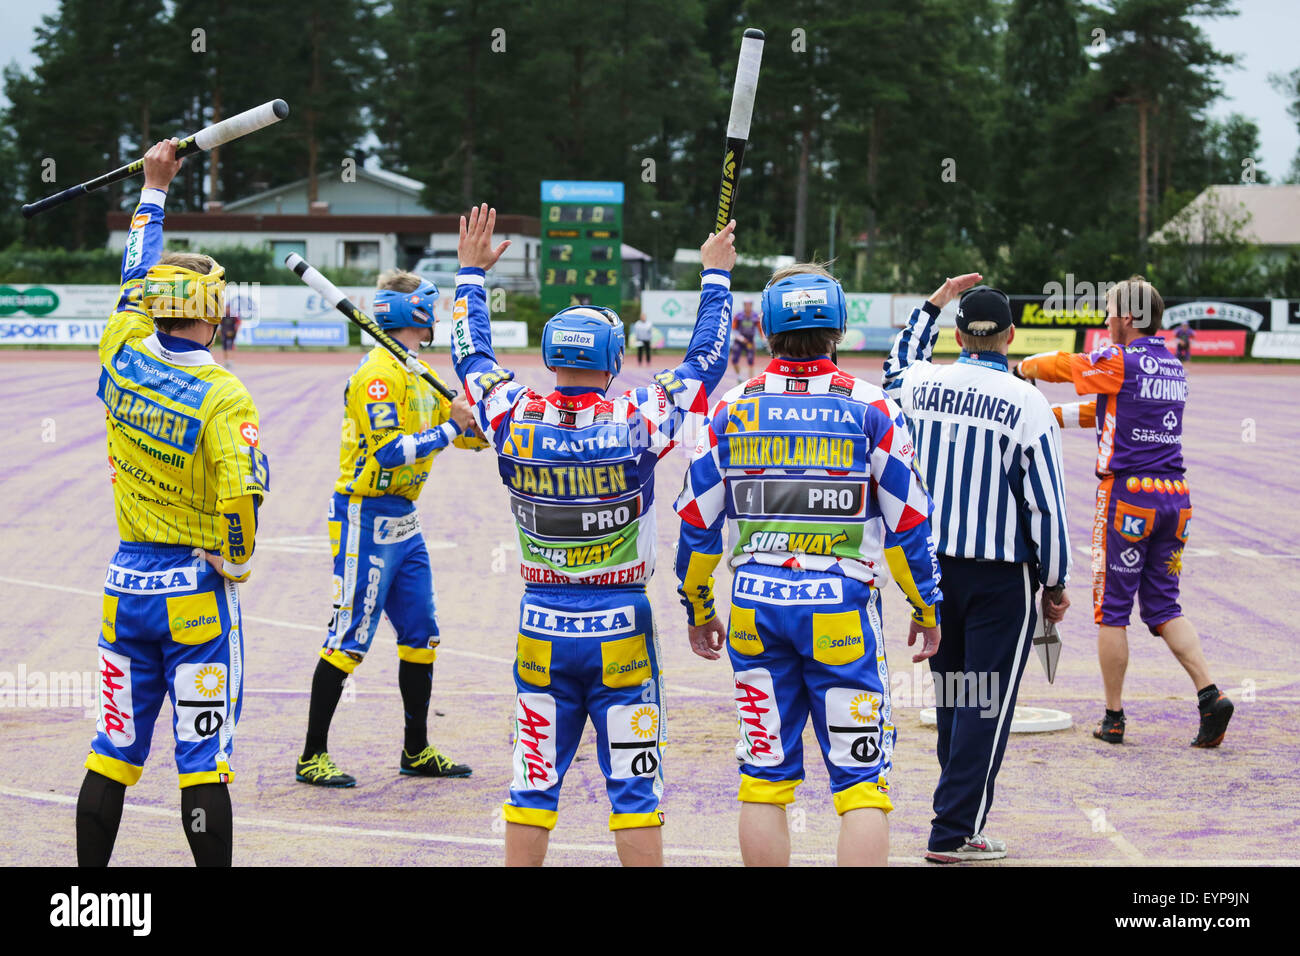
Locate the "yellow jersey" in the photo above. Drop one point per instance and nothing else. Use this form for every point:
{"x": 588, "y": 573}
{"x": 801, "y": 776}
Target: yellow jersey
{"x": 183, "y": 433}
{"x": 394, "y": 425}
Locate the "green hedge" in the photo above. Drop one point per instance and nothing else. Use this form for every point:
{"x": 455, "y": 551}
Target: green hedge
{"x": 23, "y": 265}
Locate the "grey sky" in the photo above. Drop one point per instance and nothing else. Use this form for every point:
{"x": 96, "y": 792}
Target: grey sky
{"x": 1264, "y": 33}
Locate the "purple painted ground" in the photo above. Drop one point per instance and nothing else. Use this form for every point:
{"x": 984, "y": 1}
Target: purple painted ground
{"x": 1062, "y": 797}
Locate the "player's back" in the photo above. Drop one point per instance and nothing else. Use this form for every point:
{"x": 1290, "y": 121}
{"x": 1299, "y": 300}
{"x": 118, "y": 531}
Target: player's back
{"x": 581, "y": 498}
{"x": 382, "y": 398}
{"x": 183, "y": 435}
{"x": 794, "y": 448}
{"x": 1140, "y": 427}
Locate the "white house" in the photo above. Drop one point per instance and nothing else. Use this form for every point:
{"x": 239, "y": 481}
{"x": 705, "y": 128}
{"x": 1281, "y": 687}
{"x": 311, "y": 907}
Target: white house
{"x": 1265, "y": 215}
{"x": 374, "y": 223}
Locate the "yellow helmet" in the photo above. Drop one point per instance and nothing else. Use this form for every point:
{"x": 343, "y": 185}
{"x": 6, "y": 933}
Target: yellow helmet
{"x": 173, "y": 292}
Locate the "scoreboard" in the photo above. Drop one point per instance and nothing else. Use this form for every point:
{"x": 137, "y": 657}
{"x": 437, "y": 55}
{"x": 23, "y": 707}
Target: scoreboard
{"x": 582, "y": 237}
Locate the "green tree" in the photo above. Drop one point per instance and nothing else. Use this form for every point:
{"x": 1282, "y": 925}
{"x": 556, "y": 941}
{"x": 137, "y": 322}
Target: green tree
{"x": 1159, "y": 66}
{"x": 1288, "y": 84}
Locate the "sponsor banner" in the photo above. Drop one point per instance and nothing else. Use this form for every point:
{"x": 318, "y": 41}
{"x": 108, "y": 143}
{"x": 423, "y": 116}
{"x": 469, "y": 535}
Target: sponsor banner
{"x": 1044, "y": 312}
{"x": 1205, "y": 342}
{"x": 1276, "y": 345}
{"x": 322, "y": 332}
{"x": 567, "y": 190}
{"x": 1026, "y": 341}
{"x": 902, "y": 306}
{"x": 868, "y": 339}
{"x": 29, "y": 331}
{"x": 1071, "y": 310}
{"x": 1252, "y": 314}
{"x": 678, "y": 307}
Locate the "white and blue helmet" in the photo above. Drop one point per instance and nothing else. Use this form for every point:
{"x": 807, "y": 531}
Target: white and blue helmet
{"x": 403, "y": 310}
{"x": 584, "y": 336}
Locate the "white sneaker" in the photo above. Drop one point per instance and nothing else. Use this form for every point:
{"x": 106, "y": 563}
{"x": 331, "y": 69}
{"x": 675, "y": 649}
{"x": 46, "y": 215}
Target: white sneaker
{"x": 976, "y": 848}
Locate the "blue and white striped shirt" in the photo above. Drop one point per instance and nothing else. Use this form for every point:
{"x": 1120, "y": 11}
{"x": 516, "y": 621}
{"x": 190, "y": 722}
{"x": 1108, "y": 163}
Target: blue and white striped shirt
{"x": 988, "y": 447}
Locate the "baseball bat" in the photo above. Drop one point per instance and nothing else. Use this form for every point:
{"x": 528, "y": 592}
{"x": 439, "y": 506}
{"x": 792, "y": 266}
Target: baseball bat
{"x": 249, "y": 121}
{"x": 334, "y": 296}
{"x": 742, "y": 111}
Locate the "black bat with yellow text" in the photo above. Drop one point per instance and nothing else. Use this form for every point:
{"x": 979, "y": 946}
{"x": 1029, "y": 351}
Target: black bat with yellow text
{"x": 210, "y": 137}
{"x": 334, "y": 296}
{"x": 742, "y": 110}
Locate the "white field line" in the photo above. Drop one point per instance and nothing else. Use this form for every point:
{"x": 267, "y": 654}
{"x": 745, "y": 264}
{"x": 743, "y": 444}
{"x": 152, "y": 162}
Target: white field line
{"x": 1128, "y": 850}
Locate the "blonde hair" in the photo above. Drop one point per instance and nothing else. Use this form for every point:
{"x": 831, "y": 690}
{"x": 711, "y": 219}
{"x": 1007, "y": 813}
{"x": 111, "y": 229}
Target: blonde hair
{"x": 801, "y": 268}
{"x": 399, "y": 280}
{"x": 1137, "y": 297}
{"x": 194, "y": 261}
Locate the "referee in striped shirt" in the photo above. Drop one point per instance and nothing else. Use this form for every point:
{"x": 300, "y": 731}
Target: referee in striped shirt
{"x": 988, "y": 448}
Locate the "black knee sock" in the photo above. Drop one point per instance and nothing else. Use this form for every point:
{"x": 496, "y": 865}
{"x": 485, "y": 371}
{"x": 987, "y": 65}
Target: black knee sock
{"x": 99, "y": 812}
{"x": 209, "y": 823}
{"x": 326, "y": 688}
{"x": 416, "y": 684}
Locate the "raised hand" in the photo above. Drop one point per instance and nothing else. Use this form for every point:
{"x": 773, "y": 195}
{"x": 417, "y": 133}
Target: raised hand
{"x": 475, "y": 246}
{"x": 161, "y": 164}
{"x": 953, "y": 288}
{"x": 719, "y": 250}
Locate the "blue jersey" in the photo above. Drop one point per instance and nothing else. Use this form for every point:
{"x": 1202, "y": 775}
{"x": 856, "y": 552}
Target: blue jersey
{"x": 579, "y": 464}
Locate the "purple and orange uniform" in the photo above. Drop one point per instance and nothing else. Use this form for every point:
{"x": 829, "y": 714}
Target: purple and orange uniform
{"x": 1144, "y": 508}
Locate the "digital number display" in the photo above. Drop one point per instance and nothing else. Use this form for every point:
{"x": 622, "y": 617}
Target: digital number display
{"x": 583, "y": 213}
{"x": 560, "y": 277}
{"x": 581, "y": 254}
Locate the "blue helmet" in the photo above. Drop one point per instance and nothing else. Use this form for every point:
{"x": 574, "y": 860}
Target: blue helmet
{"x": 402, "y": 310}
{"x": 803, "y": 301}
{"x": 584, "y": 336}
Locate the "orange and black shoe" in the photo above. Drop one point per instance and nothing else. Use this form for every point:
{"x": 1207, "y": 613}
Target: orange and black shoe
{"x": 1111, "y": 728}
{"x": 1215, "y": 715}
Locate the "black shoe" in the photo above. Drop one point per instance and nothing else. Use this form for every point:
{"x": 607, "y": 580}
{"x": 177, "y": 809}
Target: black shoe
{"x": 430, "y": 762}
{"x": 1111, "y": 729}
{"x": 319, "y": 770}
{"x": 1214, "y": 723}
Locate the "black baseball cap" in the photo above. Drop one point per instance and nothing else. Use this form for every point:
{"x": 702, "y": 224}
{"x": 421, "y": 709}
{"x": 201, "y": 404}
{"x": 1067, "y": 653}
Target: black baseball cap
{"x": 983, "y": 310}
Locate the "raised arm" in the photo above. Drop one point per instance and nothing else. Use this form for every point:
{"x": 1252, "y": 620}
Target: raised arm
{"x": 680, "y": 396}
{"x": 915, "y": 341}
{"x": 144, "y": 246}
{"x": 488, "y": 386}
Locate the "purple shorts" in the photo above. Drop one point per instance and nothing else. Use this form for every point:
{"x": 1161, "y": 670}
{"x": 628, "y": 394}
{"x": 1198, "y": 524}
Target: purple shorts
{"x": 1138, "y": 533}
{"x": 739, "y": 348}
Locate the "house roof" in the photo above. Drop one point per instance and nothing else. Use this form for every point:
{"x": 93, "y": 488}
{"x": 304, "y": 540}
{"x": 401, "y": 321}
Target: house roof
{"x": 391, "y": 180}
{"x": 1272, "y": 215}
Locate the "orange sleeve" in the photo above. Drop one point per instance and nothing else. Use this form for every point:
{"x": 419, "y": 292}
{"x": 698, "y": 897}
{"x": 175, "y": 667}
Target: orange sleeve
{"x": 1047, "y": 367}
{"x": 1100, "y": 376}
{"x": 1076, "y": 414}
